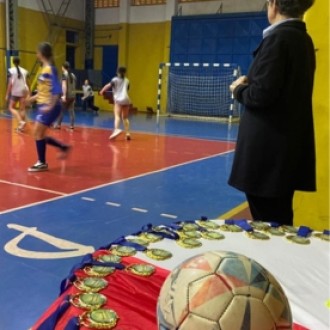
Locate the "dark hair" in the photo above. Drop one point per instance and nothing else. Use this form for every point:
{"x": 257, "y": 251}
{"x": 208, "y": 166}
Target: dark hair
{"x": 16, "y": 62}
{"x": 293, "y": 8}
{"x": 46, "y": 50}
{"x": 121, "y": 71}
{"x": 67, "y": 67}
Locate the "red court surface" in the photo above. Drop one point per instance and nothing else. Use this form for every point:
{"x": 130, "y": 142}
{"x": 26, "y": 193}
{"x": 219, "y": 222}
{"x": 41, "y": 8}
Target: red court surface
{"x": 94, "y": 161}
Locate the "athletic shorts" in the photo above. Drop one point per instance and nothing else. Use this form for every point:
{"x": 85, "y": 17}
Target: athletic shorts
{"x": 48, "y": 118}
{"x": 16, "y": 98}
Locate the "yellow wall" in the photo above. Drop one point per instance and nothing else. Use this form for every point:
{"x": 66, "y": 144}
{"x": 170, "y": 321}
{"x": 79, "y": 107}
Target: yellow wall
{"x": 2, "y": 53}
{"x": 141, "y": 48}
{"x": 31, "y": 31}
{"x": 313, "y": 208}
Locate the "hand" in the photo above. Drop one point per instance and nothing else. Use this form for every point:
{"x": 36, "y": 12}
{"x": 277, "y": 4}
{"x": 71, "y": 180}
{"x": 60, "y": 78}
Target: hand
{"x": 63, "y": 98}
{"x": 101, "y": 92}
{"x": 243, "y": 80}
{"x": 7, "y": 98}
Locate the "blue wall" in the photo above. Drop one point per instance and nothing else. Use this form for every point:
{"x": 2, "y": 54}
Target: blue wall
{"x": 224, "y": 38}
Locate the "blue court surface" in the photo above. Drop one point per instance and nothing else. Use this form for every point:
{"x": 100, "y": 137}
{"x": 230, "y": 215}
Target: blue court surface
{"x": 42, "y": 241}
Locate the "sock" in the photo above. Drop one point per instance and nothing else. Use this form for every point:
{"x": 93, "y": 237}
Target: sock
{"x": 41, "y": 150}
{"x": 51, "y": 141}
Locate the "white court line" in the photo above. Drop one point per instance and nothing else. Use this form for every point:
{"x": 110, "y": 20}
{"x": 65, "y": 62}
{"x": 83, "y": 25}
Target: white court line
{"x": 113, "y": 204}
{"x": 136, "y": 209}
{"x": 170, "y": 216}
{"x": 88, "y": 199}
{"x": 118, "y": 181}
{"x": 33, "y": 187}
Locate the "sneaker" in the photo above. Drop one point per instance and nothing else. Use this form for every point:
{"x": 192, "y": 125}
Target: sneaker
{"x": 128, "y": 137}
{"x": 57, "y": 126}
{"x": 21, "y": 126}
{"x": 72, "y": 128}
{"x": 64, "y": 153}
{"x": 38, "y": 167}
{"x": 115, "y": 133}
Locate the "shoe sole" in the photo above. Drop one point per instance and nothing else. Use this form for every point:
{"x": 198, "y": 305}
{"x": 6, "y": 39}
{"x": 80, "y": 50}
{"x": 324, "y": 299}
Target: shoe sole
{"x": 112, "y": 137}
{"x": 37, "y": 170}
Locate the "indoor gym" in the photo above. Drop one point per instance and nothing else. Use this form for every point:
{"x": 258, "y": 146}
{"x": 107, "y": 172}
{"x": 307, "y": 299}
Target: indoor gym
{"x": 175, "y": 168}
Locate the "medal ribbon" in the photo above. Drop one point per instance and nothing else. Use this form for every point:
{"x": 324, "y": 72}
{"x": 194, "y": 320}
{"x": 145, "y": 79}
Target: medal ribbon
{"x": 73, "y": 324}
{"x": 51, "y": 321}
{"x": 240, "y": 223}
{"x": 304, "y": 231}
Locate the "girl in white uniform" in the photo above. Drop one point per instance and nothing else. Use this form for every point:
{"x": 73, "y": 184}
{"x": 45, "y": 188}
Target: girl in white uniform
{"x": 17, "y": 91}
{"x": 120, "y": 87}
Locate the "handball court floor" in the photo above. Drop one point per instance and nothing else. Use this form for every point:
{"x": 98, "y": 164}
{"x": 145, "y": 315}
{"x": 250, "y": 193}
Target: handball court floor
{"x": 176, "y": 169}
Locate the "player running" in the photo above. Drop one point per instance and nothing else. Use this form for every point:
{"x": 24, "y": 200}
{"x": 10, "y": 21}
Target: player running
{"x": 17, "y": 91}
{"x": 120, "y": 87}
{"x": 48, "y": 96}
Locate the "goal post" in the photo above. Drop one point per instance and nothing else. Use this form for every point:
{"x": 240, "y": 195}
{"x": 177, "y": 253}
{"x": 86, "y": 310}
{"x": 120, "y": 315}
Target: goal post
{"x": 198, "y": 90}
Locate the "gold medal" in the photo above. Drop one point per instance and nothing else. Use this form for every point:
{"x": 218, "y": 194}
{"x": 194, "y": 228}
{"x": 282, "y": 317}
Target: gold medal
{"x": 275, "y": 231}
{"x": 212, "y": 235}
{"x": 189, "y": 234}
{"x": 139, "y": 241}
{"x": 109, "y": 258}
{"x": 208, "y": 224}
{"x": 123, "y": 251}
{"x": 189, "y": 226}
{"x": 322, "y": 236}
{"x": 151, "y": 238}
{"x": 88, "y": 301}
{"x": 231, "y": 228}
{"x": 141, "y": 269}
{"x": 99, "y": 319}
{"x": 259, "y": 225}
{"x": 257, "y": 235}
{"x": 298, "y": 239}
{"x": 90, "y": 284}
{"x": 189, "y": 243}
{"x": 99, "y": 271}
{"x": 158, "y": 254}
{"x": 289, "y": 229}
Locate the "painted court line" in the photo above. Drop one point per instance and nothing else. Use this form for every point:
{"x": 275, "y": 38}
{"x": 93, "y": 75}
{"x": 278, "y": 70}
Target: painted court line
{"x": 33, "y": 188}
{"x": 239, "y": 208}
{"x": 137, "y": 209}
{"x": 104, "y": 185}
{"x": 88, "y": 199}
{"x": 169, "y": 216}
{"x": 113, "y": 204}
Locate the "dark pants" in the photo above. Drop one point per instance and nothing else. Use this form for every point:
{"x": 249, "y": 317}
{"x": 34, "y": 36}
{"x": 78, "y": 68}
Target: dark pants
{"x": 88, "y": 102}
{"x": 276, "y": 209}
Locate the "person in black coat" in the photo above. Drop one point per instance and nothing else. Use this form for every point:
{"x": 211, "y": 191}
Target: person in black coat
{"x": 275, "y": 152}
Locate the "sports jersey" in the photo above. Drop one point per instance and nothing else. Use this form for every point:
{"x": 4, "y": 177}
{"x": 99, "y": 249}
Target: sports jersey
{"x": 19, "y": 86}
{"x": 87, "y": 90}
{"x": 71, "y": 84}
{"x": 48, "y": 84}
{"x": 120, "y": 90}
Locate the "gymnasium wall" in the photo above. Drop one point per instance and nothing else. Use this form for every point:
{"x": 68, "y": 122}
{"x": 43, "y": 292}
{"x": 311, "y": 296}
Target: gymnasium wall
{"x": 2, "y": 51}
{"x": 32, "y": 29}
{"x": 142, "y": 34}
{"x": 313, "y": 208}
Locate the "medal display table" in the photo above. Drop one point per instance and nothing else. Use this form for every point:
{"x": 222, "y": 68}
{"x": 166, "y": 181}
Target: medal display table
{"x": 118, "y": 286}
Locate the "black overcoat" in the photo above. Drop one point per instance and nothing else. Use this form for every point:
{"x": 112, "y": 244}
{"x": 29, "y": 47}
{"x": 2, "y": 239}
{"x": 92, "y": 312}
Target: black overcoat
{"x": 275, "y": 152}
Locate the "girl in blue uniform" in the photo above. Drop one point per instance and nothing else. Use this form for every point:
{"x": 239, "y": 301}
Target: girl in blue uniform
{"x": 48, "y": 96}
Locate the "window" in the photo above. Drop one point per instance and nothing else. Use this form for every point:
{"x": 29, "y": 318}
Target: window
{"x": 147, "y": 2}
{"x": 106, "y": 3}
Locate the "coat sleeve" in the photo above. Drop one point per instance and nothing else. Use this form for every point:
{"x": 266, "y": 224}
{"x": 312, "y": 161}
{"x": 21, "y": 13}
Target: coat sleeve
{"x": 268, "y": 74}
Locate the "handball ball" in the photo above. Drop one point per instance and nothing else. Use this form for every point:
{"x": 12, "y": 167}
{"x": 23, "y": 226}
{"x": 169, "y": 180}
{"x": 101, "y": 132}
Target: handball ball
{"x": 222, "y": 291}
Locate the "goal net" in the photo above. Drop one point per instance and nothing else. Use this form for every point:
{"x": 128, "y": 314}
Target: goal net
{"x": 200, "y": 90}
